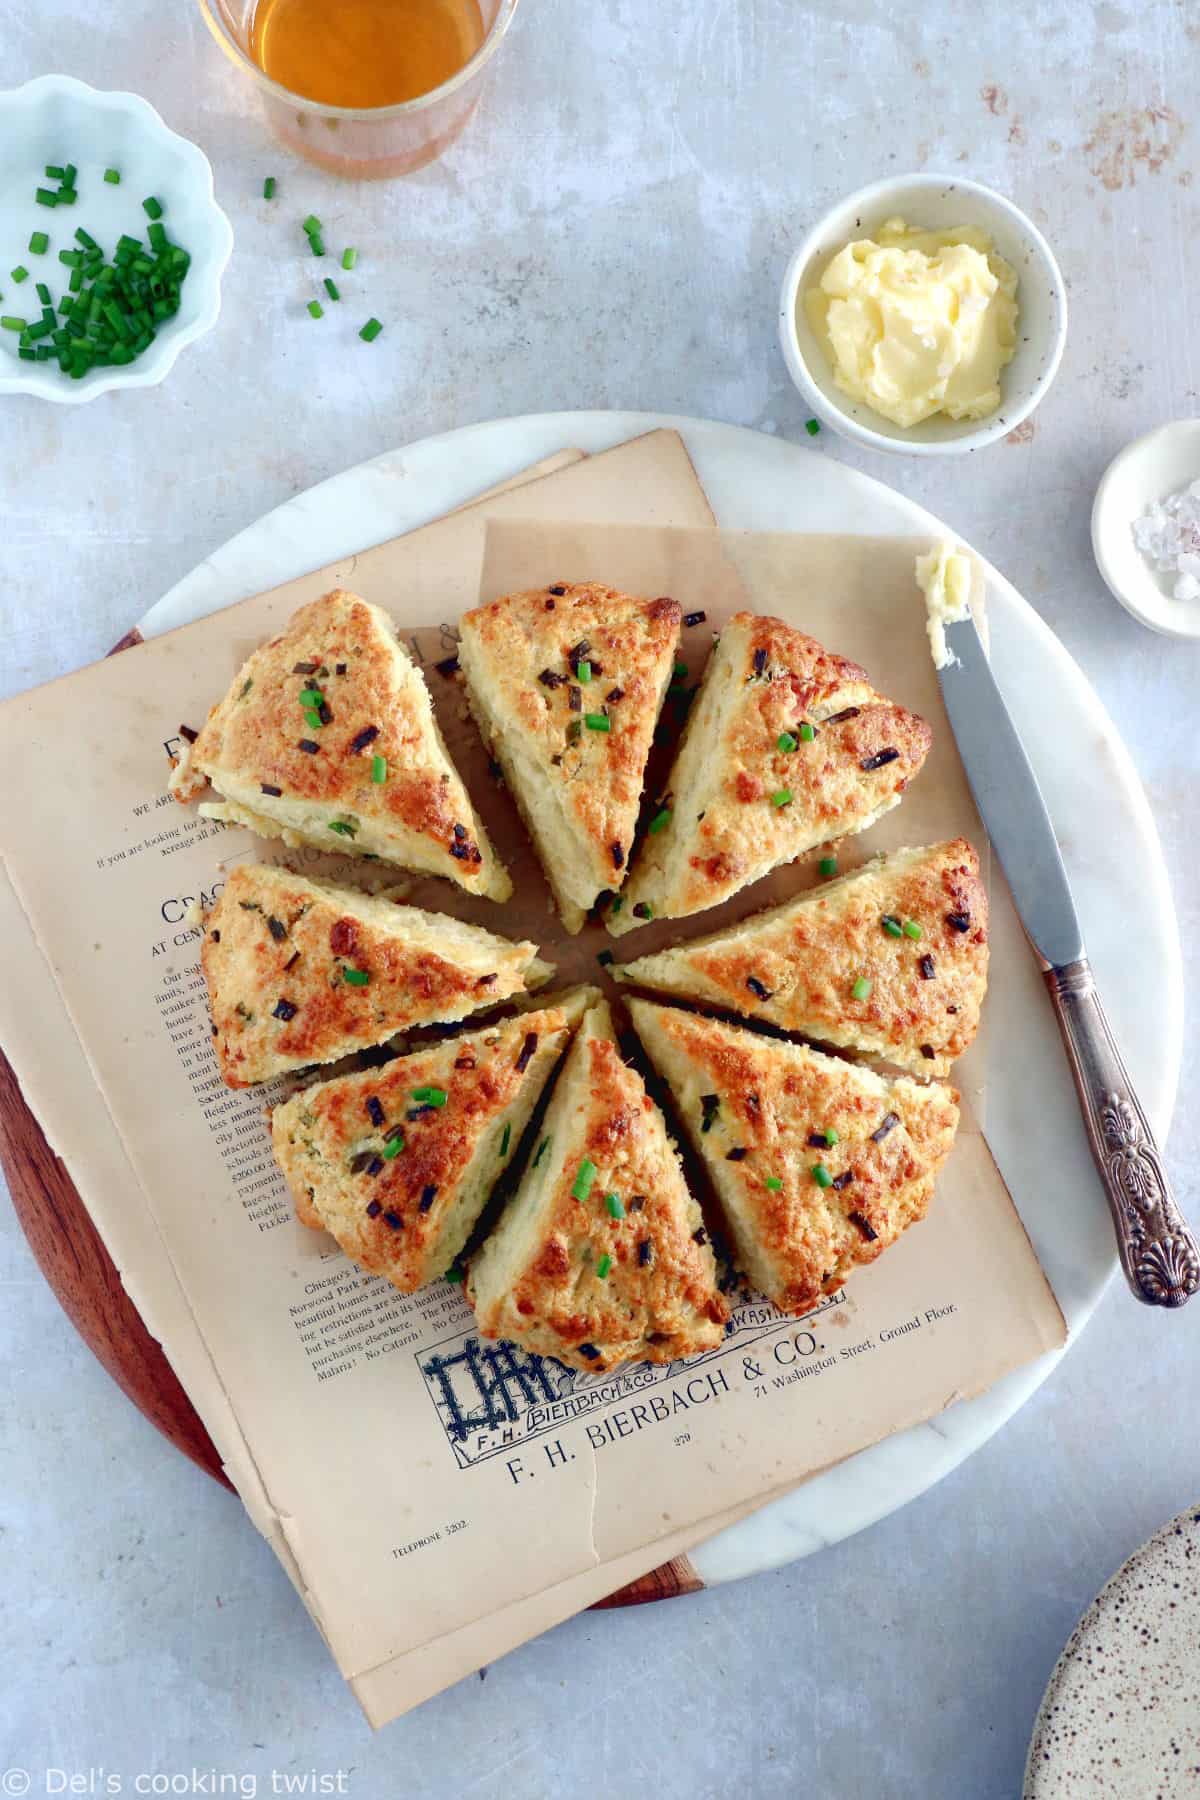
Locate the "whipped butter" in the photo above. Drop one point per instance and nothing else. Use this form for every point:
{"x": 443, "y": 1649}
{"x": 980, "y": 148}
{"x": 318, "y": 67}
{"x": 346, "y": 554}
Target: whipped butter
{"x": 916, "y": 323}
{"x": 944, "y": 577}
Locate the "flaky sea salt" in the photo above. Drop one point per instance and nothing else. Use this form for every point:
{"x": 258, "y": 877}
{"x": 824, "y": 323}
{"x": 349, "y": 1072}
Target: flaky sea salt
{"x": 1168, "y": 536}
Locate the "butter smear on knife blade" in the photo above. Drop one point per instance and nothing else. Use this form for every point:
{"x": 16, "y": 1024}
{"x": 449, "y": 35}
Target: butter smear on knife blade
{"x": 944, "y": 577}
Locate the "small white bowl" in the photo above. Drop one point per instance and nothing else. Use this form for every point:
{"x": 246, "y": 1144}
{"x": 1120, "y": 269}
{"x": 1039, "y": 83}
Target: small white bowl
{"x": 1149, "y": 469}
{"x": 56, "y": 119}
{"x": 934, "y": 202}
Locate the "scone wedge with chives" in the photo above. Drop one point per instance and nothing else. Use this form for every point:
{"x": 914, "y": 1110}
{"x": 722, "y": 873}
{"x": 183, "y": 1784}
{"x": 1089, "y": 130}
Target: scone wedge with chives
{"x": 328, "y": 737}
{"x": 787, "y": 746}
{"x": 889, "y": 960}
{"x": 566, "y": 684}
{"x": 819, "y": 1165}
{"x": 601, "y": 1256}
{"x": 301, "y": 971}
{"x": 398, "y": 1163}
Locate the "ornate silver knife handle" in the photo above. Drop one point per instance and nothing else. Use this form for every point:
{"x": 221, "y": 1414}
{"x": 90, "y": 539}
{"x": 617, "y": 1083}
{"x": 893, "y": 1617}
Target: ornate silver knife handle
{"x": 1159, "y": 1253}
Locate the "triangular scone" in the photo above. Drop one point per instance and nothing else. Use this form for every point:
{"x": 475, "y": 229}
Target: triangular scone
{"x": 803, "y": 1211}
{"x": 566, "y": 684}
{"x": 300, "y": 971}
{"x": 398, "y": 1162}
{"x": 601, "y": 1256}
{"x": 787, "y": 746}
{"x": 911, "y": 925}
{"x": 327, "y": 736}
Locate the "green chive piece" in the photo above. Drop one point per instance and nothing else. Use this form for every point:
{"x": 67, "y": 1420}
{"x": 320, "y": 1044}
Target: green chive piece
{"x": 827, "y": 866}
{"x": 830, "y": 1135}
{"x": 11, "y": 323}
{"x": 892, "y": 926}
{"x": 812, "y": 426}
{"x": 540, "y": 1152}
{"x": 39, "y": 243}
{"x": 311, "y": 696}
{"x": 69, "y": 174}
{"x": 43, "y": 293}
{"x": 349, "y": 258}
{"x": 807, "y": 734}
{"x": 76, "y": 281}
{"x": 783, "y": 797}
{"x": 862, "y": 988}
{"x": 313, "y": 718}
{"x": 152, "y": 208}
{"x": 316, "y": 244}
{"x": 316, "y": 310}
{"x": 618, "y": 903}
{"x": 660, "y": 821}
{"x": 454, "y": 1275}
{"x": 430, "y": 1096}
{"x": 615, "y": 1205}
{"x": 392, "y": 1148}
{"x": 45, "y": 197}
{"x": 583, "y": 672}
{"x": 26, "y": 354}
{"x": 331, "y": 289}
{"x": 505, "y": 1140}
{"x": 342, "y": 829}
{"x": 821, "y": 1175}
{"x": 312, "y": 226}
{"x": 596, "y": 721}
{"x": 356, "y": 977}
{"x": 71, "y": 259}
{"x": 679, "y": 672}
{"x": 379, "y": 770}
{"x": 911, "y": 929}
{"x": 52, "y": 172}
{"x": 113, "y": 177}
{"x": 602, "y": 1268}
{"x": 20, "y": 273}
{"x": 269, "y": 188}
{"x": 785, "y": 741}
{"x": 774, "y": 1183}
{"x": 370, "y": 331}
{"x": 581, "y": 1187}
{"x": 85, "y": 238}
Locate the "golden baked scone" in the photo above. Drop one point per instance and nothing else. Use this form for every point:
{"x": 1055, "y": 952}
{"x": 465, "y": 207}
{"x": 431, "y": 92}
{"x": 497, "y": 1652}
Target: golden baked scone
{"x": 787, "y": 746}
{"x": 566, "y": 684}
{"x": 818, "y": 1164}
{"x": 601, "y": 1256}
{"x": 300, "y": 971}
{"x": 912, "y": 925}
{"x": 327, "y": 736}
{"x": 398, "y": 1162}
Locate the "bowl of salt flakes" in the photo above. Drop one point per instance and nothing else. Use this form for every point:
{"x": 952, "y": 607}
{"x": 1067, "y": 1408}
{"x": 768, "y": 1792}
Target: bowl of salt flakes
{"x": 112, "y": 245}
{"x": 1146, "y": 528}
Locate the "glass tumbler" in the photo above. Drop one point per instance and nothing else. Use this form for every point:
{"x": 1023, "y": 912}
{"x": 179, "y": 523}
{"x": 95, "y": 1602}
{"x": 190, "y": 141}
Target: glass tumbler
{"x": 363, "y": 142}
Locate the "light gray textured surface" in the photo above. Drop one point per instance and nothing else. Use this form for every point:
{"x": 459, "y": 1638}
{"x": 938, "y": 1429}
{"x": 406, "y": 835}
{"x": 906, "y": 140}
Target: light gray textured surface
{"x": 612, "y": 231}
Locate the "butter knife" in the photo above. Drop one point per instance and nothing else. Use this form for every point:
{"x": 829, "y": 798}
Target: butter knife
{"x": 1159, "y": 1253}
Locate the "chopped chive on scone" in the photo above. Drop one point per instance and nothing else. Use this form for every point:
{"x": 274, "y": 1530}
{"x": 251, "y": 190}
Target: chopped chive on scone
{"x": 301, "y": 971}
{"x": 399, "y": 1162}
{"x": 601, "y": 1255}
{"x": 566, "y": 684}
{"x": 328, "y": 737}
{"x": 818, "y": 1164}
{"x": 889, "y": 960}
{"x": 787, "y": 746}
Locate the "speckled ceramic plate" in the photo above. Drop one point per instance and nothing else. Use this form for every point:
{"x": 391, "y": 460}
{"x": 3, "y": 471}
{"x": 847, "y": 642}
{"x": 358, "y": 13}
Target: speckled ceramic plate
{"x": 1121, "y": 1717}
{"x": 760, "y": 483}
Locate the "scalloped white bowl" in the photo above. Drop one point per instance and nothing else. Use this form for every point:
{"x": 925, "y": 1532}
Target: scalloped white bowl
{"x": 56, "y": 119}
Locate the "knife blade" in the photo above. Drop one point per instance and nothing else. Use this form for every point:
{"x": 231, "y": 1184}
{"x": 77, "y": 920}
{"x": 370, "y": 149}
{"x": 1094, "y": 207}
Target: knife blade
{"x": 1159, "y": 1254}
{"x": 1009, "y": 799}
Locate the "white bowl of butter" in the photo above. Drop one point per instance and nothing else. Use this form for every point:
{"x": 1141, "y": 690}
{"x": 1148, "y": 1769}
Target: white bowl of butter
{"x": 925, "y": 314}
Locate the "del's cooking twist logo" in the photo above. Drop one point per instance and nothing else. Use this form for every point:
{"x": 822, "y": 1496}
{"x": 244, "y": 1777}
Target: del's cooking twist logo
{"x": 490, "y": 1396}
